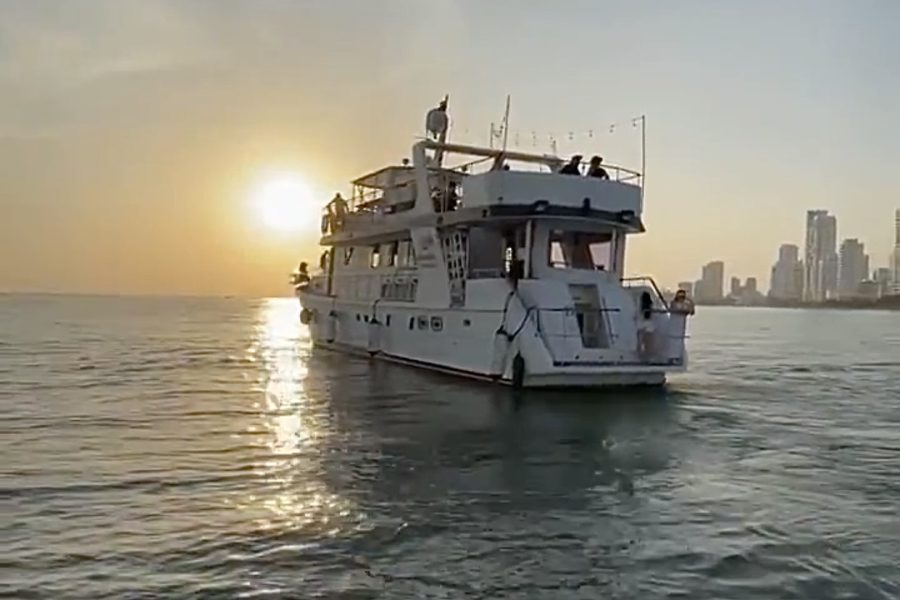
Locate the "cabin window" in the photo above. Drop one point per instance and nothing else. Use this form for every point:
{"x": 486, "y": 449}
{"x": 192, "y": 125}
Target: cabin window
{"x": 375, "y": 257}
{"x": 437, "y": 324}
{"x": 348, "y": 254}
{"x": 514, "y": 251}
{"x": 392, "y": 254}
{"x": 422, "y": 322}
{"x": 581, "y": 250}
{"x": 410, "y": 256}
{"x": 486, "y": 253}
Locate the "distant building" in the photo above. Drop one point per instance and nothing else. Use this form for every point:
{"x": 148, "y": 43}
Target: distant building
{"x": 895, "y": 276}
{"x": 746, "y": 293}
{"x": 884, "y": 277}
{"x": 854, "y": 268}
{"x": 821, "y": 264}
{"x": 868, "y": 290}
{"x": 786, "y": 282}
{"x": 711, "y": 286}
{"x": 687, "y": 286}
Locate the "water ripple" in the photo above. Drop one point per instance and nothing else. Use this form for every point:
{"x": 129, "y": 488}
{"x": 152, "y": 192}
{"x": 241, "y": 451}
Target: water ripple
{"x": 179, "y": 448}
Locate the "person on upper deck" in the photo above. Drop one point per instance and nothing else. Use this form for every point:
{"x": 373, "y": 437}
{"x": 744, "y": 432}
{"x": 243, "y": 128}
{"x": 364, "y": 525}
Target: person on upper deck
{"x": 337, "y": 211}
{"x": 572, "y": 167}
{"x": 595, "y": 170}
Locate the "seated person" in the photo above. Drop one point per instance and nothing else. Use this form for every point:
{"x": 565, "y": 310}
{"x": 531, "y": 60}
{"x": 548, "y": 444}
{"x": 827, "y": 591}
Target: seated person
{"x": 301, "y": 277}
{"x": 595, "y": 170}
{"x": 572, "y": 167}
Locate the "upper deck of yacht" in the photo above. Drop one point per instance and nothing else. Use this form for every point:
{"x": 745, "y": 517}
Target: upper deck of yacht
{"x": 486, "y": 184}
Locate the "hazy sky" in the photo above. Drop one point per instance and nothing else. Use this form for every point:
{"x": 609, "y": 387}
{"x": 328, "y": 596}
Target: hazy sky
{"x": 131, "y": 131}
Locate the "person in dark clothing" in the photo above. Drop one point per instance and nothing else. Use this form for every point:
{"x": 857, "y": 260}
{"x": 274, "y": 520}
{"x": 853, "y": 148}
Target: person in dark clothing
{"x": 595, "y": 170}
{"x": 300, "y": 277}
{"x": 572, "y": 167}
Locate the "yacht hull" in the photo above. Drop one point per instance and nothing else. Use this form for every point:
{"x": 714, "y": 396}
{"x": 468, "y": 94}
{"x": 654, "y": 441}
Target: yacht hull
{"x": 460, "y": 342}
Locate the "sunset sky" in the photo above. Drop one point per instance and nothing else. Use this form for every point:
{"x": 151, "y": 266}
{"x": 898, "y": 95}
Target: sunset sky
{"x": 135, "y": 136}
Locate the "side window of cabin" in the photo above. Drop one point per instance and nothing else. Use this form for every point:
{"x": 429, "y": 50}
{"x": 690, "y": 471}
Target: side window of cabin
{"x": 513, "y": 249}
{"x": 375, "y": 257}
{"x": 392, "y": 256}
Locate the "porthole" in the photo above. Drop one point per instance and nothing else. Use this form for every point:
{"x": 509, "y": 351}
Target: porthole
{"x": 437, "y": 324}
{"x": 423, "y": 322}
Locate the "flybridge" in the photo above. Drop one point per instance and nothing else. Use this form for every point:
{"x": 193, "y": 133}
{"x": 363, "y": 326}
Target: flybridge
{"x": 489, "y": 183}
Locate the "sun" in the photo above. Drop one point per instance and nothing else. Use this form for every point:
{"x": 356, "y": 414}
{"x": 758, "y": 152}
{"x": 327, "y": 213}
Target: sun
{"x": 285, "y": 202}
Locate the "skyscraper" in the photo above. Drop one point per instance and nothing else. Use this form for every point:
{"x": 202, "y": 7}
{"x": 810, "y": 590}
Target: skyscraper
{"x": 854, "y": 267}
{"x": 884, "y": 278}
{"x": 821, "y": 265}
{"x": 787, "y": 274}
{"x": 710, "y": 287}
{"x": 896, "y": 257}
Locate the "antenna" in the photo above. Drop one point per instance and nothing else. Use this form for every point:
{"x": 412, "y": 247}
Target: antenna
{"x": 642, "y": 120}
{"x": 506, "y": 124}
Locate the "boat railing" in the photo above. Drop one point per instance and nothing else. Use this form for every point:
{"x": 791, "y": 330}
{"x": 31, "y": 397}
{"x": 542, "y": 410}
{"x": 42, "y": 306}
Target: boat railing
{"x": 615, "y": 172}
{"x": 648, "y": 283}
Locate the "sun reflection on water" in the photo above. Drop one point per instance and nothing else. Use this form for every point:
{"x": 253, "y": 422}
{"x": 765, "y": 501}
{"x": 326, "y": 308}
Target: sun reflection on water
{"x": 294, "y": 494}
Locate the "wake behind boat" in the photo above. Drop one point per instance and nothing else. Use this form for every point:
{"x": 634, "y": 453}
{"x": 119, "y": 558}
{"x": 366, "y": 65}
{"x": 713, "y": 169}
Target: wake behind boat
{"x": 498, "y": 265}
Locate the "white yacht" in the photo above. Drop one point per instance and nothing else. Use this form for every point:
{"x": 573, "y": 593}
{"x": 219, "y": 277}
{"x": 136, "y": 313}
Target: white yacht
{"x": 492, "y": 264}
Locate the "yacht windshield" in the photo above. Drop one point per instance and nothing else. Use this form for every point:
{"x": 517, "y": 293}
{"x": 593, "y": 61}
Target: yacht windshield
{"x": 580, "y": 250}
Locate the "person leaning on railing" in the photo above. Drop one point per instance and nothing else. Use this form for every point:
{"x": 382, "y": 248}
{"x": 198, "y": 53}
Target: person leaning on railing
{"x": 595, "y": 170}
{"x": 337, "y": 211}
{"x": 682, "y": 304}
{"x": 300, "y": 277}
{"x": 572, "y": 167}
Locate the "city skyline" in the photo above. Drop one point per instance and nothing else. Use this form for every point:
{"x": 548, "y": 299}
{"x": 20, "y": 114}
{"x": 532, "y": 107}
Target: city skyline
{"x": 827, "y": 271}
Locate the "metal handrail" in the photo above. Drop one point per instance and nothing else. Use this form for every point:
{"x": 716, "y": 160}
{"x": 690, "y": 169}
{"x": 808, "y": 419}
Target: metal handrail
{"x": 646, "y": 279}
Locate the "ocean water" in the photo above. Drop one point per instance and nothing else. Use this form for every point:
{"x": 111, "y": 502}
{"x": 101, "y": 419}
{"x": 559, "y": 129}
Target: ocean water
{"x": 198, "y": 448}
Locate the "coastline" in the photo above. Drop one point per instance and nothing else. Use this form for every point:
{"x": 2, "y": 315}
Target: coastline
{"x": 891, "y": 303}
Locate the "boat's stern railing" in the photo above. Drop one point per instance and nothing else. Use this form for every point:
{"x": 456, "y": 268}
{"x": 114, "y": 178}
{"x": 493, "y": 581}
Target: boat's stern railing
{"x": 646, "y": 283}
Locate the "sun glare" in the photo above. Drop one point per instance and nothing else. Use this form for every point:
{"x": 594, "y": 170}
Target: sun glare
{"x": 285, "y": 202}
